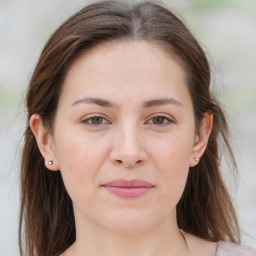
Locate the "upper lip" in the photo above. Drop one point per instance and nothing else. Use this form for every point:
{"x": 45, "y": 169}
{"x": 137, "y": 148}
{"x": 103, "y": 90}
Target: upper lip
{"x": 135, "y": 183}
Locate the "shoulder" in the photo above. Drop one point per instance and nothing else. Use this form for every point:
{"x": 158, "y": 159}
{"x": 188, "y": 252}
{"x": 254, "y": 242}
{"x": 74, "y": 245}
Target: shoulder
{"x": 231, "y": 249}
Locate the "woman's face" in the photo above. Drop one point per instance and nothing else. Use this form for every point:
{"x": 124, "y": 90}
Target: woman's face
{"x": 124, "y": 136}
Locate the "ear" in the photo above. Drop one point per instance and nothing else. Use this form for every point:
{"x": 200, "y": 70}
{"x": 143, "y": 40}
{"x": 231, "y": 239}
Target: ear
{"x": 201, "y": 139}
{"x": 45, "y": 142}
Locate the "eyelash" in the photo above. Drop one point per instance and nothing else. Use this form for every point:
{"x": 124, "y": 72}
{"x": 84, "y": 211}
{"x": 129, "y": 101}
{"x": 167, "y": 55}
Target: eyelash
{"x": 86, "y": 121}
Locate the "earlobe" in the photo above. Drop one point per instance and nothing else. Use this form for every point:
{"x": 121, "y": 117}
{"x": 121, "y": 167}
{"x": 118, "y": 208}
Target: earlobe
{"x": 45, "y": 142}
{"x": 201, "y": 139}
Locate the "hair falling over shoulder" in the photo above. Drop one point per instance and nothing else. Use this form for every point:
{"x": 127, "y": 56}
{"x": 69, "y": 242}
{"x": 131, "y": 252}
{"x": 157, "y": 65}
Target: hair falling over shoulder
{"x": 47, "y": 225}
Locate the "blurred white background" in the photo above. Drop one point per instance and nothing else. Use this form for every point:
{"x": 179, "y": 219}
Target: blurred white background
{"x": 225, "y": 28}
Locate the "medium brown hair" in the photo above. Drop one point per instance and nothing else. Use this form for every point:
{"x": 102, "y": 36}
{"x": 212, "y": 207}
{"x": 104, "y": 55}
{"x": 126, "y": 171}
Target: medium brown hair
{"x": 46, "y": 215}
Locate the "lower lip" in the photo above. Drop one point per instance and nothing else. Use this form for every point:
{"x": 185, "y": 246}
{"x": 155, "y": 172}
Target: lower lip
{"x": 133, "y": 192}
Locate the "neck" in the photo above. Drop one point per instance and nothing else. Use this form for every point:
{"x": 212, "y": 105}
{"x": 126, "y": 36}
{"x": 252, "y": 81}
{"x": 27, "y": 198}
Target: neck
{"x": 163, "y": 240}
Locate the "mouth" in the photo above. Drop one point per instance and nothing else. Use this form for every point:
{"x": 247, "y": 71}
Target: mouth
{"x": 128, "y": 188}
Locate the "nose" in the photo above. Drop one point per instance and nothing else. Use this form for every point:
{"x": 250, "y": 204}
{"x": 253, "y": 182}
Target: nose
{"x": 128, "y": 148}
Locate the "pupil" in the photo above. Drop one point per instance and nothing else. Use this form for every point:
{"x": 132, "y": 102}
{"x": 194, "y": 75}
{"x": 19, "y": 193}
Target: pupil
{"x": 159, "y": 120}
{"x": 97, "y": 120}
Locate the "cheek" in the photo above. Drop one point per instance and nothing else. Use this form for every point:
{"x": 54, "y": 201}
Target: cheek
{"x": 80, "y": 161}
{"x": 173, "y": 153}
{"x": 78, "y": 152}
{"x": 171, "y": 158}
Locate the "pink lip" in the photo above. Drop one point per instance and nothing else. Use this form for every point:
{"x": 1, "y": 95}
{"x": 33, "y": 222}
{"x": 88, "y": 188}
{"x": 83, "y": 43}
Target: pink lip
{"x": 128, "y": 188}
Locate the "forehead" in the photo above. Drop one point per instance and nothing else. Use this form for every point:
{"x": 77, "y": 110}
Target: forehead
{"x": 126, "y": 68}
{"x": 125, "y": 52}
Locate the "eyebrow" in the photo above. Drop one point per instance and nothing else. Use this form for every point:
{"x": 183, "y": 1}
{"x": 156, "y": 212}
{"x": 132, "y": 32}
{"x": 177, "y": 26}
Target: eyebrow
{"x": 147, "y": 104}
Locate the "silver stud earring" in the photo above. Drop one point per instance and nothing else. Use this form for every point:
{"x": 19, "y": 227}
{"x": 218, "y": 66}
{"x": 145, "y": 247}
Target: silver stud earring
{"x": 197, "y": 159}
{"x": 50, "y": 162}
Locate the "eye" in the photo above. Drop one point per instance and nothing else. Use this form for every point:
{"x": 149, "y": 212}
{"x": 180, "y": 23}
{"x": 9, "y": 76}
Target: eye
{"x": 95, "y": 120}
{"x": 160, "y": 120}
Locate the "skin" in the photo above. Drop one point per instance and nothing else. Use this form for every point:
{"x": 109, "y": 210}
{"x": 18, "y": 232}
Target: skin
{"x": 128, "y": 141}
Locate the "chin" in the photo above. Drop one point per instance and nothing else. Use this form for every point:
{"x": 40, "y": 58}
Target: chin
{"x": 130, "y": 222}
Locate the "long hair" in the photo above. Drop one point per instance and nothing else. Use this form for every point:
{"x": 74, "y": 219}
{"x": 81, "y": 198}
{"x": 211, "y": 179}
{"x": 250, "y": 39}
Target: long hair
{"x": 46, "y": 215}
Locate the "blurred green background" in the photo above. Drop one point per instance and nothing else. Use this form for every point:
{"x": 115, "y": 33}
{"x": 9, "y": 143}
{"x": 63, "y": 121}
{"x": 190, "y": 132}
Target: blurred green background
{"x": 225, "y": 28}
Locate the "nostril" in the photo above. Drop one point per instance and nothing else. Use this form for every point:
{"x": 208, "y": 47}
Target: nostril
{"x": 139, "y": 162}
{"x": 129, "y": 164}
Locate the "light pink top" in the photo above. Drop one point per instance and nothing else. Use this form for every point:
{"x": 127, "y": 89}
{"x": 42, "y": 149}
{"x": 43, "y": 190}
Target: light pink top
{"x": 231, "y": 249}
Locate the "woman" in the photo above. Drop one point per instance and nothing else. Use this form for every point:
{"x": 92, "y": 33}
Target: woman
{"x": 121, "y": 153}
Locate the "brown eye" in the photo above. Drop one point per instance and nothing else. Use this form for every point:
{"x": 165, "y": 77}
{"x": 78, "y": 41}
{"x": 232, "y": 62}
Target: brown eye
{"x": 158, "y": 120}
{"x": 96, "y": 120}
